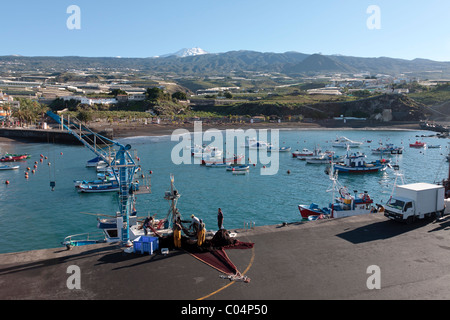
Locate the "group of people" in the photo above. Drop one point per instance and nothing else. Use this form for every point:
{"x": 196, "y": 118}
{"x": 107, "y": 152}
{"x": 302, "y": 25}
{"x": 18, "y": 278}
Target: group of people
{"x": 197, "y": 226}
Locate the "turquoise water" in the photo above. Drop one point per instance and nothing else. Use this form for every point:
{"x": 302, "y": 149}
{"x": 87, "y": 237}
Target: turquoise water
{"x": 34, "y": 217}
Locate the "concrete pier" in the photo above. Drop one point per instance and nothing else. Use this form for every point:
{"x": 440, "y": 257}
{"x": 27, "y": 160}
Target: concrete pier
{"x": 44, "y": 135}
{"x": 328, "y": 259}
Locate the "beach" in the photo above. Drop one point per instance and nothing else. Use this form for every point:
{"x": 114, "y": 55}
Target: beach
{"x": 123, "y": 130}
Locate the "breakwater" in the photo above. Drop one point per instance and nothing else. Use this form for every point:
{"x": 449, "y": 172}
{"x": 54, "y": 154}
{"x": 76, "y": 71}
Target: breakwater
{"x": 44, "y": 135}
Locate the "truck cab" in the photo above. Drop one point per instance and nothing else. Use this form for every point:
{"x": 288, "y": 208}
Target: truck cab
{"x": 401, "y": 209}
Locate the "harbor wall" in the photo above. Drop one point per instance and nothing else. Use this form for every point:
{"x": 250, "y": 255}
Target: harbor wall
{"x": 42, "y": 135}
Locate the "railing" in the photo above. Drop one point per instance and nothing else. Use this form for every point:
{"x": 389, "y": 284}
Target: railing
{"x": 76, "y": 239}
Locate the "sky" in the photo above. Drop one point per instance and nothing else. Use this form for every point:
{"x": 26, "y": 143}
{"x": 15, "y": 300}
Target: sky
{"x": 145, "y": 28}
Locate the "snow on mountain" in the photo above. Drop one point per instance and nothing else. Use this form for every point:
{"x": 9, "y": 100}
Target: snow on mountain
{"x": 186, "y": 52}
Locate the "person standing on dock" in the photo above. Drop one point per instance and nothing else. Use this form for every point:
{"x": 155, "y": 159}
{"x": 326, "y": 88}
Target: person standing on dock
{"x": 177, "y": 234}
{"x": 201, "y": 234}
{"x": 220, "y": 219}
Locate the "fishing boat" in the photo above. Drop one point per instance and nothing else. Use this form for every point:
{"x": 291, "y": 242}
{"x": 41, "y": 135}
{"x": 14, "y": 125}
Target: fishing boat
{"x": 238, "y": 168}
{"x": 95, "y": 162}
{"x": 229, "y": 160}
{"x": 102, "y": 178}
{"x": 388, "y": 149}
{"x": 328, "y": 157}
{"x": 24, "y": 155}
{"x": 260, "y": 145}
{"x": 315, "y": 154}
{"x": 13, "y": 158}
{"x": 417, "y": 144}
{"x": 5, "y": 167}
{"x": 355, "y": 163}
{"x": 208, "y": 152}
{"x": 343, "y": 142}
{"x": 434, "y": 146}
{"x": 344, "y": 205}
{"x": 96, "y": 187}
{"x": 304, "y": 153}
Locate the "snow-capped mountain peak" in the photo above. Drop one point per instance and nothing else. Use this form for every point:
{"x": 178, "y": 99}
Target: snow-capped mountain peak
{"x": 187, "y": 52}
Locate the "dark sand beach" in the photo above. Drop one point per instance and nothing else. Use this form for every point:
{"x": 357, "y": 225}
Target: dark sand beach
{"x": 122, "y": 130}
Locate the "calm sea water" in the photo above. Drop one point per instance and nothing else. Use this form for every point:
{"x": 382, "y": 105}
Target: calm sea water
{"x": 34, "y": 217}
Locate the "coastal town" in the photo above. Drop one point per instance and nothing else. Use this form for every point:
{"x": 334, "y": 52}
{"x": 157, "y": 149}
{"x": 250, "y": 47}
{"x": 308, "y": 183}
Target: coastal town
{"x": 117, "y": 95}
{"x": 224, "y": 159}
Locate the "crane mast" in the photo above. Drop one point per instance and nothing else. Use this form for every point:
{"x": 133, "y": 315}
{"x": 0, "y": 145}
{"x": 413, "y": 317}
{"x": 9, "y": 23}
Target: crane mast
{"x": 117, "y": 156}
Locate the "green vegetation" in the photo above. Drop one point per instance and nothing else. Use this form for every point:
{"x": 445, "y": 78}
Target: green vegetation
{"x": 30, "y": 111}
{"x": 431, "y": 97}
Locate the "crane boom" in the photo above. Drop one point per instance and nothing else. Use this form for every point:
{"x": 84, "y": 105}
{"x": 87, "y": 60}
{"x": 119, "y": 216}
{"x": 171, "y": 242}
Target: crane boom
{"x": 116, "y": 155}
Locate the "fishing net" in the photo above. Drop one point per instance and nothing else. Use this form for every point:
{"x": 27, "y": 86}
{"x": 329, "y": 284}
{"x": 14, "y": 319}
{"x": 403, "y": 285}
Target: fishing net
{"x": 212, "y": 252}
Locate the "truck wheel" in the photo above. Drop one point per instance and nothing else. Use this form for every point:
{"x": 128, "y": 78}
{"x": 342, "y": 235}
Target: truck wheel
{"x": 410, "y": 220}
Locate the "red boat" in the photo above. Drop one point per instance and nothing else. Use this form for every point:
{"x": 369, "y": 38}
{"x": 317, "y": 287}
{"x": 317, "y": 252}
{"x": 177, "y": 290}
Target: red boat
{"x": 417, "y": 144}
{"x": 13, "y": 158}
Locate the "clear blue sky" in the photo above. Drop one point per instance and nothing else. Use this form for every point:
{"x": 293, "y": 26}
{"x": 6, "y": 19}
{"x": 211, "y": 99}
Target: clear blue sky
{"x": 145, "y": 28}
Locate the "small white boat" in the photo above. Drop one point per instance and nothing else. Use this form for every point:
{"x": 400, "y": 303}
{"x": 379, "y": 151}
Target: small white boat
{"x": 344, "y": 142}
{"x": 5, "y": 167}
{"x": 217, "y": 165}
{"x": 282, "y": 149}
{"x": 260, "y": 145}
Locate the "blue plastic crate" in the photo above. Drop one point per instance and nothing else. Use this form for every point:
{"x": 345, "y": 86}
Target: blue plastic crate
{"x": 148, "y": 247}
{"x": 137, "y": 246}
{"x": 146, "y": 244}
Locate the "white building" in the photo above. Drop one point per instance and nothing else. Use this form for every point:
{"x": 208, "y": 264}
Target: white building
{"x": 91, "y": 101}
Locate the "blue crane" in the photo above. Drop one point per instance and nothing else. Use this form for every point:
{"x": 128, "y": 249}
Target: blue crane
{"x": 116, "y": 155}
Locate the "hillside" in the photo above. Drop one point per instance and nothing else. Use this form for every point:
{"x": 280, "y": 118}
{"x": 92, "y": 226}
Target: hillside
{"x": 234, "y": 61}
{"x": 319, "y": 63}
{"x": 403, "y": 108}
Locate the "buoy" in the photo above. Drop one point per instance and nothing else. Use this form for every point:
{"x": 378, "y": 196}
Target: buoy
{"x": 61, "y": 153}
{"x": 254, "y": 164}
{"x": 28, "y": 168}
{"x": 35, "y": 162}
{"x": 7, "y": 182}
{"x": 264, "y": 167}
{"x": 151, "y": 171}
{"x": 32, "y": 171}
{"x": 41, "y": 160}
{"x": 45, "y": 158}
{"x": 35, "y": 166}
{"x": 289, "y": 172}
{"x": 49, "y": 163}
{"x": 42, "y": 156}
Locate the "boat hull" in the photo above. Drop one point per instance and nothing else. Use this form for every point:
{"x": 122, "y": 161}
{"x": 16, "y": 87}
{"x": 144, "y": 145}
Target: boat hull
{"x": 311, "y": 210}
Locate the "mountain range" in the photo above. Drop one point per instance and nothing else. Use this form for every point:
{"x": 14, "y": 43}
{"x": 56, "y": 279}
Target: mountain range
{"x": 196, "y": 61}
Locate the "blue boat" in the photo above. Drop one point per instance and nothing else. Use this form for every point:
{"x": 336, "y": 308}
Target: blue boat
{"x": 355, "y": 163}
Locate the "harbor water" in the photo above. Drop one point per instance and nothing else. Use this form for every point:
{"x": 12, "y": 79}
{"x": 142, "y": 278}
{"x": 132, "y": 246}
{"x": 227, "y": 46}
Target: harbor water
{"x": 32, "y": 216}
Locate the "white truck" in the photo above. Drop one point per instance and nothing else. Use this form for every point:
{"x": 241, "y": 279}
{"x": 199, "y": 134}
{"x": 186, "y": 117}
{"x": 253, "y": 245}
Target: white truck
{"x": 416, "y": 200}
